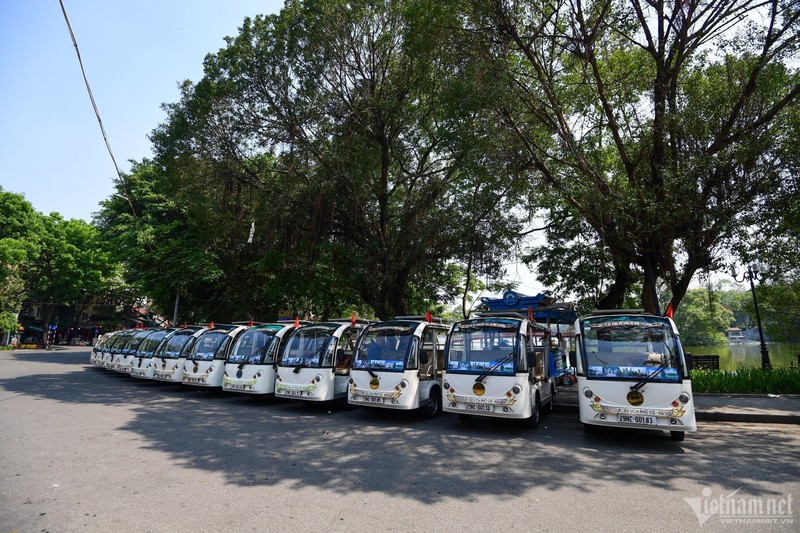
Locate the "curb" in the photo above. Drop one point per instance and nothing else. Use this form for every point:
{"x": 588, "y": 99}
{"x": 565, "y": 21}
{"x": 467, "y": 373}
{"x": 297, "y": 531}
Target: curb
{"x": 757, "y": 418}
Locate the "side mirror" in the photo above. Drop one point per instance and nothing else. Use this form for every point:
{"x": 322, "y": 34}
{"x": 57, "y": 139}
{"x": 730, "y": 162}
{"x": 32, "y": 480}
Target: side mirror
{"x": 689, "y": 361}
{"x": 572, "y": 358}
{"x": 423, "y": 357}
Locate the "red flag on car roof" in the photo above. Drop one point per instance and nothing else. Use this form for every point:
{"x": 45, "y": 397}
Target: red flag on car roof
{"x": 353, "y": 319}
{"x": 211, "y": 325}
{"x": 296, "y": 321}
{"x": 670, "y": 311}
{"x": 428, "y": 317}
{"x": 530, "y": 314}
{"x": 250, "y": 323}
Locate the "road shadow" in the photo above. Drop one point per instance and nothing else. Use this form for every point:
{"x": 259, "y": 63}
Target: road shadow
{"x": 330, "y": 447}
{"x": 62, "y": 355}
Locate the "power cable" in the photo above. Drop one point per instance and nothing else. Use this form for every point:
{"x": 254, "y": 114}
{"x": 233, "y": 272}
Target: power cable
{"x": 120, "y": 177}
{"x": 89, "y": 90}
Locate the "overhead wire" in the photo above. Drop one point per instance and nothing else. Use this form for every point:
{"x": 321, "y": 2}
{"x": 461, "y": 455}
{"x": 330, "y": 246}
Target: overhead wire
{"x": 120, "y": 177}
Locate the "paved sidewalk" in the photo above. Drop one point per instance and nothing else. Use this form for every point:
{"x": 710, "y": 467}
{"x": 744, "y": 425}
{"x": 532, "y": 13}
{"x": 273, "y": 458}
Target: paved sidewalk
{"x": 761, "y": 408}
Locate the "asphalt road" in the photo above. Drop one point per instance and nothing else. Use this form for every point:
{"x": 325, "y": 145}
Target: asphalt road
{"x": 83, "y": 449}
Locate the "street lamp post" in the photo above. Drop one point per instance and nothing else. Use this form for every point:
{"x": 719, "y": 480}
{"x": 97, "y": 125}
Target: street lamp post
{"x": 755, "y": 272}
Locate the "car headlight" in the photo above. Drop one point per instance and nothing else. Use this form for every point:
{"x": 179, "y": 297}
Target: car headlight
{"x": 259, "y": 374}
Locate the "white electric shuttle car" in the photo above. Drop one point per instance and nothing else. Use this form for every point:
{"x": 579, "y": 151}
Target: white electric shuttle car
{"x": 252, "y": 364}
{"x": 124, "y": 358}
{"x": 169, "y": 357}
{"x": 398, "y": 365}
{"x": 315, "y": 363}
{"x": 498, "y": 365}
{"x": 205, "y": 362}
{"x": 115, "y": 347}
{"x": 142, "y": 364}
{"x": 100, "y": 347}
{"x": 632, "y": 373}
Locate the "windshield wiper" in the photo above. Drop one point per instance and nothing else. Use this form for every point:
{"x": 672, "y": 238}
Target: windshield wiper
{"x": 363, "y": 353}
{"x": 304, "y": 360}
{"x": 494, "y": 367}
{"x": 665, "y": 362}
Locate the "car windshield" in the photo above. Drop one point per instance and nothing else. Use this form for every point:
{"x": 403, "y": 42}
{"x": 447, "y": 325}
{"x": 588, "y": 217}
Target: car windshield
{"x": 307, "y": 345}
{"x": 135, "y": 341}
{"x": 484, "y": 346}
{"x": 120, "y": 340}
{"x": 253, "y": 346}
{"x": 149, "y": 345}
{"x": 630, "y": 347}
{"x": 385, "y": 347}
{"x": 207, "y": 345}
{"x": 174, "y": 346}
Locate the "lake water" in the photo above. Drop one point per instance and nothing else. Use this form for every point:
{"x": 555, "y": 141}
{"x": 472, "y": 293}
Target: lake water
{"x": 732, "y": 356}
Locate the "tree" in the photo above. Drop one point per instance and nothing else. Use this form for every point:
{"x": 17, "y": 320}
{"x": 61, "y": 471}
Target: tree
{"x": 381, "y": 168}
{"x": 71, "y": 267}
{"x": 779, "y": 304}
{"x": 20, "y": 233}
{"x": 702, "y": 320}
{"x": 660, "y": 125}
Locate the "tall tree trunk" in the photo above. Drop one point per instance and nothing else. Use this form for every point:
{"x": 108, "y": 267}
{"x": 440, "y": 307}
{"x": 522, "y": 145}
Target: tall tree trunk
{"x": 615, "y": 295}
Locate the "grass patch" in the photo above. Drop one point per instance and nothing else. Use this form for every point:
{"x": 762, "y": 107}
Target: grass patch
{"x": 748, "y": 380}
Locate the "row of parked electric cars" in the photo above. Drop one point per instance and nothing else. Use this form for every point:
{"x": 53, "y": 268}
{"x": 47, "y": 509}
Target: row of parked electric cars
{"x": 496, "y": 366}
{"x": 630, "y": 366}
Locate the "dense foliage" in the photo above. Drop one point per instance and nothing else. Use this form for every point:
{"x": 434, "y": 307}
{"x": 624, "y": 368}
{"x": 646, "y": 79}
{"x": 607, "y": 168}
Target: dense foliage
{"x": 48, "y": 261}
{"x": 702, "y": 319}
{"x": 348, "y": 137}
{"x": 663, "y": 128}
{"x": 382, "y": 156}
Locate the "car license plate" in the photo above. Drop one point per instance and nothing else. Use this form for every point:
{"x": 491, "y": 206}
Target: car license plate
{"x": 373, "y": 399}
{"x": 193, "y": 380}
{"x": 290, "y": 392}
{"x": 236, "y": 386}
{"x": 637, "y": 419}
{"x": 480, "y": 407}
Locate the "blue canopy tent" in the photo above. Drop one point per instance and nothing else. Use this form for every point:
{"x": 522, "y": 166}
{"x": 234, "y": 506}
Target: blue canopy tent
{"x": 542, "y": 308}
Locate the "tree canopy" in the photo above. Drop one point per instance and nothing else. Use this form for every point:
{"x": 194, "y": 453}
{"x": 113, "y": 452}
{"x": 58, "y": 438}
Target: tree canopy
{"x": 349, "y": 137}
{"x": 383, "y": 155}
{"x": 663, "y": 127}
{"x": 49, "y": 261}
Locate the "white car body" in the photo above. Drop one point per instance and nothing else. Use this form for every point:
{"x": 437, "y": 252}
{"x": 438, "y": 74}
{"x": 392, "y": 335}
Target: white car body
{"x": 498, "y": 365}
{"x": 170, "y": 357}
{"x": 632, "y": 373}
{"x": 314, "y": 365}
{"x": 205, "y": 362}
{"x": 397, "y": 366}
{"x": 142, "y": 365}
{"x": 251, "y": 365}
{"x": 123, "y": 359}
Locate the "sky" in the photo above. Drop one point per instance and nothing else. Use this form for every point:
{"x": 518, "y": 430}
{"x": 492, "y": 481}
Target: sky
{"x": 135, "y": 54}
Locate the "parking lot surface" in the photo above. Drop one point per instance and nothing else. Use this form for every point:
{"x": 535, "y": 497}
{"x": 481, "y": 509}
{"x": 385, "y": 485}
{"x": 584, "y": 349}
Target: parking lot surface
{"x": 83, "y": 449}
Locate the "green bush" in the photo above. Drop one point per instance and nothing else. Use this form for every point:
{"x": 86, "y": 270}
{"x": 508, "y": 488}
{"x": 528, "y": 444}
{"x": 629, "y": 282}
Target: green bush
{"x": 747, "y": 381}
